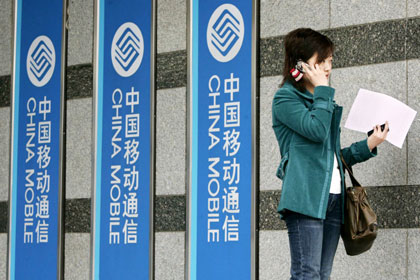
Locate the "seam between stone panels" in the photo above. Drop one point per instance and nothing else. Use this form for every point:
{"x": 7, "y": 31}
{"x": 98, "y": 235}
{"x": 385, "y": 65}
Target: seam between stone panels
{"x": 170, "y": 195}
{"x": 406, "y": 255}
{"x": 170, "y": 231}
{"x": 407, "y": 261}
{"x": 413, "y": 17}
{"x": 329, "y": 13}
{"x": 406, "y": 90}
{"x": 171, "y": 88}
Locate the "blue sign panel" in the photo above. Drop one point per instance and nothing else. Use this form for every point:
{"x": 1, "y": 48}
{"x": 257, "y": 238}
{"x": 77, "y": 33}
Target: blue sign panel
{"x": 123, "y": 153}
{"x": 221, "y": 203}
{"x": 36, "y": 154}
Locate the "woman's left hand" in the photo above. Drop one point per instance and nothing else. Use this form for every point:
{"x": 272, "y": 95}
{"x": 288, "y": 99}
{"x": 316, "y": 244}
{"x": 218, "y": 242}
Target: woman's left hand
{"x": 378, "y": 136}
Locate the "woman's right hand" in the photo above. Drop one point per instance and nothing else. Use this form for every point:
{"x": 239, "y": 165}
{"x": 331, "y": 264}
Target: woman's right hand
{"x": 378, "y": 136}
{"x": 315, "y": 75}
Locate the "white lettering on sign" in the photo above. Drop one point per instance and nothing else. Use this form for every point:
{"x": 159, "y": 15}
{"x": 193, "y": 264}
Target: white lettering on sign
{"x": 223, "y": 203}
{"x": 214, "y": 111}
{"x": 116, "y": 121}
{"x": 38, "y": 142}
{"x": 124, "y": 184}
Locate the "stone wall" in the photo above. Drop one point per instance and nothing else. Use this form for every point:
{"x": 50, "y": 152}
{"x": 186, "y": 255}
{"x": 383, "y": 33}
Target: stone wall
{"x": 377, "y": 47}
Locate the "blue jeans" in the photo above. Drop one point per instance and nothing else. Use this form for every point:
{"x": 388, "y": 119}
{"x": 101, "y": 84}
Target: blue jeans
{"x": 313, "y": 242}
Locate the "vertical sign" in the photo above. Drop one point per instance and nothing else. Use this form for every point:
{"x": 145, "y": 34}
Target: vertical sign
{"x": 123, "y": 171}
{"x": 35, "y": 226}
{"x": 221, "y": 239}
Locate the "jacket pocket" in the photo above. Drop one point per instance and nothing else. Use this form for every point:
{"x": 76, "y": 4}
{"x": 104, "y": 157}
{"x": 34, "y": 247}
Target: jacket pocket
{"x": 281, "y": 170}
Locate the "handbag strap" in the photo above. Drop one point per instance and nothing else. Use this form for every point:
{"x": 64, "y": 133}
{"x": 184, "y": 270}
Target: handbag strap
{"x": 350, "y": 171}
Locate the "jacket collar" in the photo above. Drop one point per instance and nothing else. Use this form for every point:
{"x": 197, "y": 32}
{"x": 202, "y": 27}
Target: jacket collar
{"x": 306, "y": 94}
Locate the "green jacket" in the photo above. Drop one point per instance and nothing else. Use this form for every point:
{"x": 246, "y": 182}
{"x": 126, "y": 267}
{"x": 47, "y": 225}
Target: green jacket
{"x": 307, "y": 128}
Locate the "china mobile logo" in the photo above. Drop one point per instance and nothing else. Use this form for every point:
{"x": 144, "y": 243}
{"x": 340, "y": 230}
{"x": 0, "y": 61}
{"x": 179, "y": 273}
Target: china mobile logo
{"x": 127, "y": 49}
{"x": 40, "y": 61}
{"x": 225, "y": 32}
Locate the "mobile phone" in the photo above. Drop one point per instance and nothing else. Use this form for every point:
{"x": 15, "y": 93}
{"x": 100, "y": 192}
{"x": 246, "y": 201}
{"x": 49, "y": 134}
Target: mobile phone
{"x": 299, "y": 65}
{"x": 382, "y": 129}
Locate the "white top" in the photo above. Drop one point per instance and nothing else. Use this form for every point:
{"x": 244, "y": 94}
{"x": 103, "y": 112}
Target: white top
{"x": 336, "y": 179}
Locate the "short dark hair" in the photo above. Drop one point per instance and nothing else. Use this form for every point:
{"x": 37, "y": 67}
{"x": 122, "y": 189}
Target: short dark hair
{"x": 303, "y": 43}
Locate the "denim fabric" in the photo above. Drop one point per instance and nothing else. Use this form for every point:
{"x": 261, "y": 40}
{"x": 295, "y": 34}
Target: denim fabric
{"x": 313, "y": 242}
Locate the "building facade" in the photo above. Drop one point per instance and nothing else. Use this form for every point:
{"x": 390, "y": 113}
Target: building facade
{"x": 377, "y": 48}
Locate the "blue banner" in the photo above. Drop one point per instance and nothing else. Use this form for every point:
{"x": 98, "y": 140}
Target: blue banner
{"x": 36, "y": 153}
{"x": 221, "y": 199}
{"x": 123, "y": 153}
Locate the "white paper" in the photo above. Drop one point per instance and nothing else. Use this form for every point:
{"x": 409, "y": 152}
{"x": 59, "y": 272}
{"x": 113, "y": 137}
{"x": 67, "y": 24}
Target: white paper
{"x": 371, "y": 108}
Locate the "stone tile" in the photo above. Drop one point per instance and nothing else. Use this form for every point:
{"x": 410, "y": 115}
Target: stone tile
{"x": 4, "y": 216}
{"x": 385, "y": 201}
{"x": 79, "y": 81}
{"x": 413, "y": 86}
{"x": 354, "y": 45}
{"x": 77, "y": 256}
{"x": 80, "y": 32}
{"x": 389, "y": 167}
{"x": 269, "y": 149}
{"x": 5, "y": 151}
{"x": 385, "y": 260}
{"x": 77, "y": 215}
{"x": 170, "y": 213}
{"x": 3, "y": 255}
{"x": 281, "y": 17}
{"x": 269, "y": 218}
{"x": 271, "y": 56}
{"x": 413, "y": 8}
{"x": 6, "y": 37}
{"x": 170, "y": 141}
{"x": 78, "y": 149}
{"x": 5, "y": 91}
{"x": 396, "y": 206}
{"x": 171, "y": 69}
{"x": 171, "y": 25}
{"x": 274, "y": 258}
{"x": 344, "y": 12}
{"x": 378, "y": 42}
{"x": 413, "y": 253}
{"x": 169, "y": 255}
{"x": 413, "y": 38}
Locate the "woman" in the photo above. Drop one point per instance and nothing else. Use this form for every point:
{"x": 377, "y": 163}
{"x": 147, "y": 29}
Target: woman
{"x": 306, "y": 121}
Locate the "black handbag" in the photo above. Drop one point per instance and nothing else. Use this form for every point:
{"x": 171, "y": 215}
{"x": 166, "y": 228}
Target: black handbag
{"x": 360, "y": 222}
